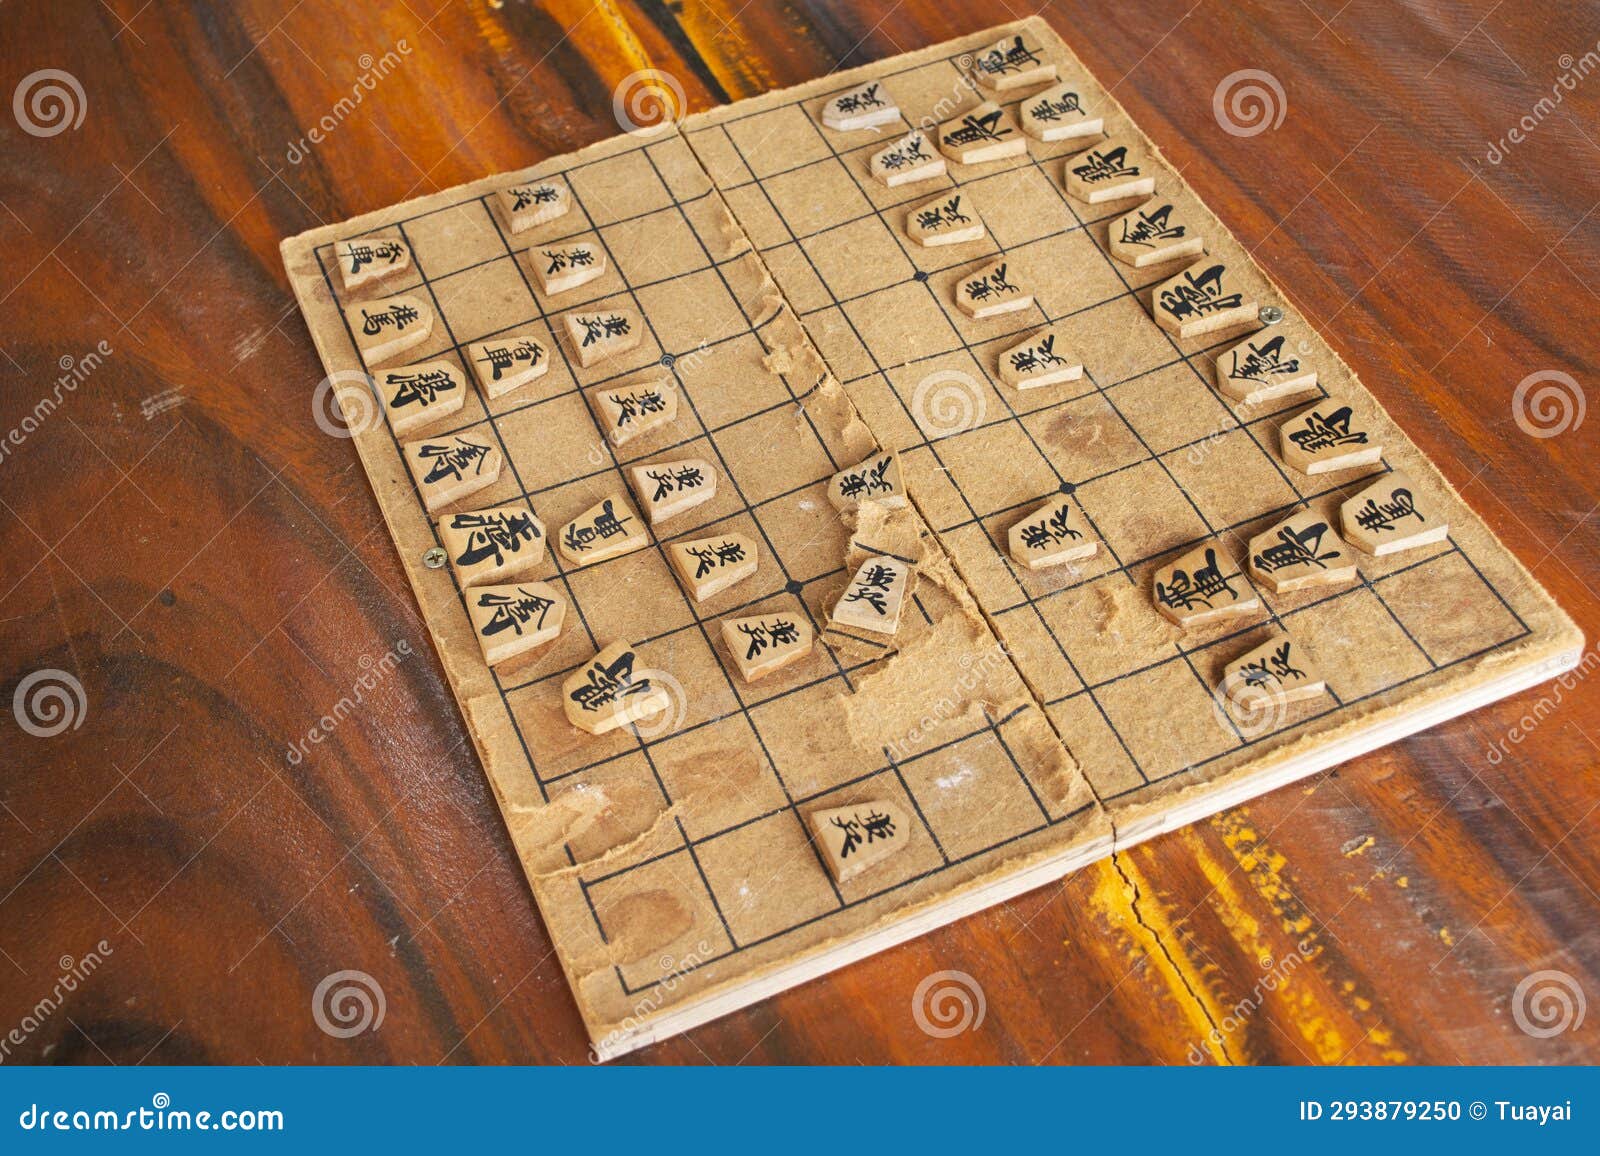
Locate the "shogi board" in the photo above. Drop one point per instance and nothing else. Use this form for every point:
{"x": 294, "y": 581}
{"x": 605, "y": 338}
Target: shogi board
{"x": 1028, "y": 721}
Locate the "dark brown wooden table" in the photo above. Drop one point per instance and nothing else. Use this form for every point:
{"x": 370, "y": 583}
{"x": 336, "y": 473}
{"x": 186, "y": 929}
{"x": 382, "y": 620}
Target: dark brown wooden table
{"x": 181, "y": 538}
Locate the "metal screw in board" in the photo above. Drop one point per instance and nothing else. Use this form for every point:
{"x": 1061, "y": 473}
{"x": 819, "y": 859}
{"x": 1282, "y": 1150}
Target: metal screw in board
{"x": 434, "y": 557}
{"x": 1270, "y": 315}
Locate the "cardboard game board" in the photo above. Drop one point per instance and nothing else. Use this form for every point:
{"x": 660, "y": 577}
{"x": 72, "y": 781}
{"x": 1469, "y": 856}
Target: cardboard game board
{"x": 1022, "y": 722}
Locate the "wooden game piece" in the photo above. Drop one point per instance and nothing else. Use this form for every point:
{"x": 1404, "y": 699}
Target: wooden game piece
{"x": 875, "y": 480}
{"x": 990, "y": 291}
{"x": 1104, "y": 173}
{"x": 367, "y": 260}
{"x": 1037, "y": 361}
{"x": 852, "y": 839}
{"x": 531, "y": 203}
{"x": 504, "y": 363}
{"x": 385, "y": 329}
{"x": 415, "y": 396}
{"x": 1203, "y": 586}
{"x": 873, "y": 598}
{"x": 767, "y": 642}
{"x": 1152, "y": 235}
{"x": 1204, "y": 297}
{"x": 708, "y": 566}
{"x": 607, "y": 529}
{"x": 1014, "y": 62}
{"x": 1279, "y": 668}
{"x": 909, "y": 160}
{"x": 448, "y": 469}
{"x": 634, "y": 408}
{"x": 566, "y": 265}
{"x": 1057, "y": 114}
{"x": 1386, "y": 517}
{"x": 609, "y": 692}
{"x": 864, "y": 106}
{"x": 512, "y": 620}
{"x": 1049, "y": 536}
{"x": 945, "y": 220}
{"x": 1327, "y": 437}
{"x": 667, "y": 489}
{"x": 489, "y": 546}
{"x": 1300, "y": 552}
{"x": 597, "y": 336}
{"x": 1259, "y": 370}
{"x": 984, "y": 134}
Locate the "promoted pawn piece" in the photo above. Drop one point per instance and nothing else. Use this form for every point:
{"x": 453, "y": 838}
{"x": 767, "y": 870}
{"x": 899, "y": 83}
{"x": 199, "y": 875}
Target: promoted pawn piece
{"x": 1276, "y": 672}
{"x": 1107, "y": 173}
{"x": 875, "y": 480}
{"x": 1300, "y": 552}
{"x": 489, "y": 546}
{"x": 1261, "y": 368}
{"x": 708, "y": 566}
{"x": 909, "y": 160}
{"x": 984, "y": 134}
{"x": 1057, "y": 113}
{"x": 1015, "y": 62}
{"x": 1387, "y": 517}
{"x": 765, "y": 643}
{"x": 1052, "y": 535}
{"x": 385, "y": 329}
{"x": 504, "y": 363}
{"x": 1203, "y": 586}
{"x": 602, "y": 334}
{"x": 991, "y": 291}
{"x": 417, "y": 396}
{"x": 449, "y": 469}
{"x": 1154, "y": 234}
{"x": 667, "y": 489}
{"x": 612, "y": 690}
{"x": 1041, "y": 359}
{"x": 368, "y": 260}
{"x": 566, "y": 265}
{"x": 853, "y": 839}
{"x": 632, "y": 409}
{"x": 531, "y": 203}
{"x": 607, "y": 529}
{"x": 873, "y": 598}
{"x": 512, "y": 620}
{"x": 1206, "y": 296}
{"x": 945, "y": 220}
{"x": 1327, "y": 437}
{"x": 864, "y": 106}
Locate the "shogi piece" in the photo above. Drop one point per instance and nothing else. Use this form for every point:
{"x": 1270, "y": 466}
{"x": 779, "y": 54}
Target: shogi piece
{"x": 1057, "y": 114}
{"x": 1327, "y": 437}
{"x": 634, "y": 408}
{"x": 507, "y": 362}
{"x": 984, "y": 134}
{"x": 708, "y": 566}
{"x": 874, "y": 596}
{"x": 1040, "y": 360}
{"x": 490, "y": 546}
{"x": 368, "y": 260}
{"x": 607, "y": 529}
{"x": 852, "y": 839}
{"x": 612, "y": 691}
{"x": 1054, "y": 534}
{"x": 512, "y": 620}
{"x": 1203, "y": 586}
{"x": 448, "y": 469}
{"x": 875, "y": 480}
{"x": 910, "y": 159}
{"x": 1204, "y": 297}
{"x": 1153, "y": 234}
{"x": 533, "y": 203}
{"x": 1261, "y": 368}
{"x": 385, "y": 329}
{"x": 416, "y": 396}
{"x": 864, "y": 106}
{"x": 606, "y": 333}
{"x": 1015, "y": 62}
{"x": 767, "y": 642}
{"x": 1387, "y": 517}
{"x": 1107, "y": 173}
{"x": 991, "y": 291}
{"x": 1300, "y": 552}
{"x": 1279, "y": 668}
{"x": 566, "y": 265}
{"x": 667, "y": 489}
{"x": 945, "y": 220}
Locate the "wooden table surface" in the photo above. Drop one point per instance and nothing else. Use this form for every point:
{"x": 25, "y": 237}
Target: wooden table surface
{"x": 182, "y": 539}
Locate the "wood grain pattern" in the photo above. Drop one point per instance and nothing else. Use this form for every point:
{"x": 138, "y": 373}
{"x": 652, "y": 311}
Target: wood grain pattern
{"x": 209, "y": 564}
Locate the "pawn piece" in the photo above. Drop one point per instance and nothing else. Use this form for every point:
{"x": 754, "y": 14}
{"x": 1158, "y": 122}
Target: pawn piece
{"x": 864, "y": 106}
{"x": 990, "y": 292}
{"x": 415, "y": 396}
{"x": 1014, "y": 62}
{"x": 562, "y": 267}
{"x": 534, "y": 202}
{"x": 489, "y": 546}
{"x": 634, "y": 408}
{"x": 1203, "y": 586}
{"x": 448, "y": 469}
{"x": 984, "y": 134}
{"x": 1204, "y": 297}
{"x": 1104, "y": 173}
{"x": 366, "y": 260}
{"x": 667, "y": 489}
{"x": 511, "y": 620}
{"x": 507, "y": 362}
{"x": 597, "y": 336}
{"x": 1327, "y": 437}
{"x": 1151, "y": 235}
{"x": 1385, "y": 518}
{"x": 945, "y": 220}
{"x": 767, "y": 642}
{"x": 708, "y": 566}
{"x": 852, "y": 839}
{"x": 611, "y": 691}
{"x": 1300, "y": 552}
{"x": 607, "y": 529}
{"x": 1279, "y": 671}
{"x": 385, "y": 329}
{"x": 1047, "y": 536}
{"x": 1036, "y": 362}
{"x": 1257, "y": 370}
{"x": 1057, "y": 114}
{"x": 875, "y": 480}
{"x": 874, "y": 596}
{"x": 907, "y": 161}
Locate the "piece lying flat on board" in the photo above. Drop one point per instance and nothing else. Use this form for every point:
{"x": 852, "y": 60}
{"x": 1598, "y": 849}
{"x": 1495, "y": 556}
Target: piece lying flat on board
{"x": 1203, "y": 586}
{"x": 1388, "y": 516}
{"x": 1278, "y": 669}
{"x": 417, "y": 396}
{"x": 764, "y": 643}
{"x": 864, "y": 106}
{"x": 491, "y": 546}
{"x": 612, "y": 690}
{"x": 1300, "y": 552}
{"x": 982, "y": 135}
{"x": 852, "y": 839}
{"x": 385, "y": 329}
{"x": 1204, "y": 297}
{"x": 1107, "y": 173}
{"x": 603, "y": 333}
{"x": 1327, "y": 437}
{"x": 634, "y": 408}
{"x": 1039, "y": 360}
{"x": 945, "y": 220}
{"x": 908, "y": 160}
{"x": 708, "y": 566}
{"x": 503, "y": 363}
{"x": 1014, "y": 62}
{"x": 1154, "y": 234}
{"x": 565, "y": 265}
{"x": 531, "y": 203}
{"x": 990, "y": 291}
{"x": 872, "y": 599}
{"x": 513, "y": 619}
{"x": 1051, "y": 536}
{"x": 368, "y": 260}
{"x": 1262, "y": 368}
{"x": 666, "y": 489}
{"x": 607, "y": 529}
{"x": 448, "y": 469}
{"x": 877, "y": 479}
{"x": 1057, "y": 113}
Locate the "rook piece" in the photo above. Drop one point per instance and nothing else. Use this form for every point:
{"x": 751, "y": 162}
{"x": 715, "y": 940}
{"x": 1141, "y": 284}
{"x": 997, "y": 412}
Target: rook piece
{"x": 634, "y": 408}
{"x": 1278, "y": 671}
{"x": 597, "y": 336}
{"x": 534, "y": 202}
{"x": 852, "y": 839}
{"x": 607, "y": 529}
{"x": 875, "y": 480}
{"x": 667, "y": 489}
{"x": 864, "y": 106}
{"x": 1327, "y": 437}
{"x": 1204, "y": 297}
{"x": 984, "y": 134}
{"x": 1057, "y": 114}
{"x": 1385, "y": 518}
{"x": 507, "y": 362}
{"x": 1051, "y": 536}
{"x": 709, "y": 566}
{"x": 767, "y": 642}
{"x": 873, "y": 598}
{"x": 1260, "y": 369}
{"x": 1151, "y": 235}
{"x": 451, "y": 468}
{"x": 1014, "y": 62}
{"x": 612, "y": 691}
{"x": 364, "y": 260}
{"x": 1299, "y": 552}
{"x": 991, "y": 291}
{"x": 510, "y": 620}
{"x": 385, "y": 329}
{"x": 566, "y": 265}
{"x": 420, "y": 395}
{"x": 908, "y": 160}
{"x": 489, "y": 546}
{"x": 1203, "y": 586}
{"x": 1040, "y": 360}
{"x": 1105, "y": 173}
{"x": 945, "y": 220}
